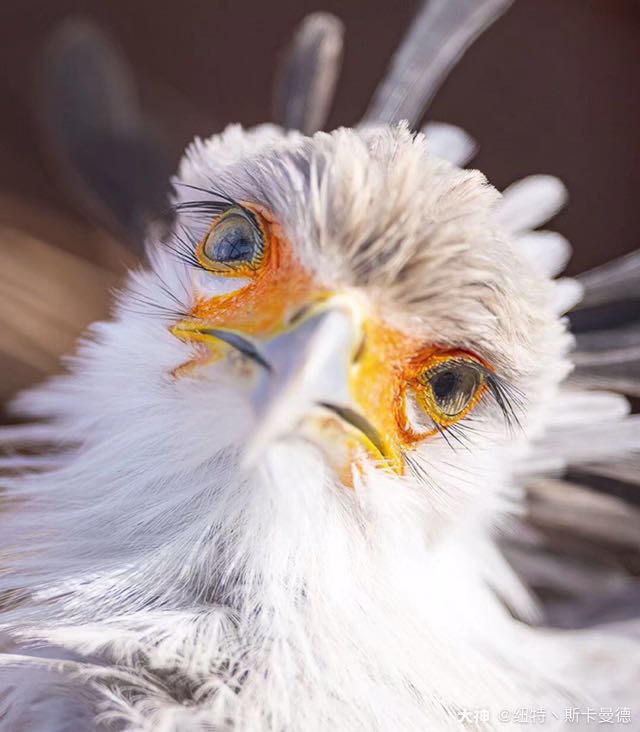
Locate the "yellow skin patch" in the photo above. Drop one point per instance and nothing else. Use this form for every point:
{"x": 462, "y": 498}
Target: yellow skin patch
{"x": 388, "y": 363}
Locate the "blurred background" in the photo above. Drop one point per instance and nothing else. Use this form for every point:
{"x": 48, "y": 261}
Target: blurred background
{"x": 552, "y": 87}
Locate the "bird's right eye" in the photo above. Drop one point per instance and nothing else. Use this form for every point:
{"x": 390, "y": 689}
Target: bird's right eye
{"x": 451, "y": 388}
{"x": 235, "y": 243}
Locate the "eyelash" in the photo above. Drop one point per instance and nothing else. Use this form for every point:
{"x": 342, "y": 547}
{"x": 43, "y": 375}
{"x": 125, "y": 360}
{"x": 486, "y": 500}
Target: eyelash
{"x": 461, "y": 431}
{"x": 183, "y": 241}
{"x": 508, "y": 398}
{"x": 505, "y": 396}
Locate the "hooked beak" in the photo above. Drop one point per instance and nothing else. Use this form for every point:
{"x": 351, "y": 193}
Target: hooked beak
{"x": 304, "y": 385}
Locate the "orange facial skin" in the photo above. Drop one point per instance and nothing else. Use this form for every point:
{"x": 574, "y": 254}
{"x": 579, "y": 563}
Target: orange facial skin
{"x": 388, "y": 363}
{"x": 377, "y": 383}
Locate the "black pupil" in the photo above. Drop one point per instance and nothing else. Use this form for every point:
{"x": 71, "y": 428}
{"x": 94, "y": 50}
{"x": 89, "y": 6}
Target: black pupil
{"x": 444, "y": 384}
{"x": 233, "y": 245}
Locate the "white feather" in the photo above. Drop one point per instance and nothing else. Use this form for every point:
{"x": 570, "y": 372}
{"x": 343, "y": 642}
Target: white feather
{"x": 575, "y": 408}
{"x": 531, "y": 202}
{"x": 29, "y": 434}
{"x": 590, "y": 443}
{"x": 613, "y": 281}
{"x": 547, "y": 251}
{"x": 450, "y": 143}
{"x": 568, "y": 293}
{"x": 437, "y": 38}
{"x": 27, "y": 462}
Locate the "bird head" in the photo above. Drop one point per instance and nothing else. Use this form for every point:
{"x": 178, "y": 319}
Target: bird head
{"x": 341, "y": 310}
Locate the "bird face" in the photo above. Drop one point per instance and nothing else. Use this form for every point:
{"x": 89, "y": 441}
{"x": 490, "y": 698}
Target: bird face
{"x": 324, "y": 361}
{"x": 343, "y": 285}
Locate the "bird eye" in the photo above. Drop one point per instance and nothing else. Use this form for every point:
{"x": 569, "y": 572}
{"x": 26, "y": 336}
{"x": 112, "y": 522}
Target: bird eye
{"x": 451, "y": 388}
{"x": 233, "y": 244}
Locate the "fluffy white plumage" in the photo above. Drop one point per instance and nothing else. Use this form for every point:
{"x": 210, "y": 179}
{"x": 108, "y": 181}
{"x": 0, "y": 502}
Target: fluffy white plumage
{"x": 157, "y": 583}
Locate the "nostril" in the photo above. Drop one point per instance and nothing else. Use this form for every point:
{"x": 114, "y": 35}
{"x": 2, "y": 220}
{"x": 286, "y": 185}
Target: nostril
{"x": 359, "y": 352}
{"x": 298, "y": 315}
{"x": 240, "y": 344}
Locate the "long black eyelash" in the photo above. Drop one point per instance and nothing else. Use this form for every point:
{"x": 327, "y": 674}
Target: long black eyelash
{"x": 419, "y": 472}
{"x": 153, "y": 309}
{"x": 457, "y": 432}
{"x": 508, "y": 399}
{"x": 219, "y": 203}
{"x": 182, "y": 308}
{"x": 205, "y": 207}
{"x": 183, "y": 245}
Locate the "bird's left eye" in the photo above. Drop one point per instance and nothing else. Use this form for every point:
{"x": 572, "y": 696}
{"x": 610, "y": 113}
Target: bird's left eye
{"x": 234, "y": 243}
{"x": 451, "y": 388}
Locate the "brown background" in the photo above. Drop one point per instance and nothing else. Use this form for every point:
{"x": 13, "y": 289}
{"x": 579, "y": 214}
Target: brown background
{"x": 552, "y": 87}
